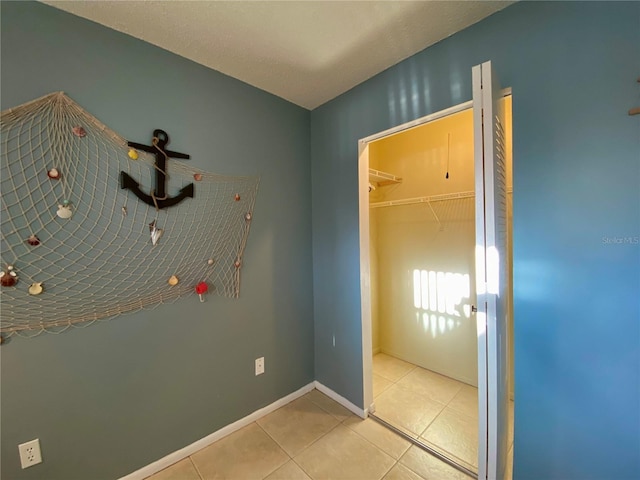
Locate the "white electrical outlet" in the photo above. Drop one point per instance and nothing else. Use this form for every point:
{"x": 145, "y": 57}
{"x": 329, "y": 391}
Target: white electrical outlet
{"x": 30, "y": 453}
{"x": 259, "y": 366}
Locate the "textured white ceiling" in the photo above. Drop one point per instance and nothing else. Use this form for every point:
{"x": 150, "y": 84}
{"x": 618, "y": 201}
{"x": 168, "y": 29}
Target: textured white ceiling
{"x": 307, "y": 52}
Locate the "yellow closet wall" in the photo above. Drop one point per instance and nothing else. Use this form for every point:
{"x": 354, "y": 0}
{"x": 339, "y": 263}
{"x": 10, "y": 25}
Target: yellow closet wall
{"x": 406, "y": 239}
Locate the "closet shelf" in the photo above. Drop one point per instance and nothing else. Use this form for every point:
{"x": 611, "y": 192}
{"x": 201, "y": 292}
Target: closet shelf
{"x": 382, "y": 179}
{"x": 430, "y": 199}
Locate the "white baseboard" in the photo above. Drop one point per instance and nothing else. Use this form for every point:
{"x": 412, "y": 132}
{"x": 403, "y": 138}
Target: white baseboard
{"x": 341, "y": 400}
{"x": 178, "y": 455}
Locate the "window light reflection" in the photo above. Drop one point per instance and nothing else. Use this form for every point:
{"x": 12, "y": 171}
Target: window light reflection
{"x": 439, "y": 298}
{"x": 442, "y": 292}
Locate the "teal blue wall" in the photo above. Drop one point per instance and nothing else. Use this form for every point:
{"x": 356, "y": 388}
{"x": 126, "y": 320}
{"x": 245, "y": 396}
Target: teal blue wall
{"x": 576, "y": 157}
{"x": 118, "y": 395}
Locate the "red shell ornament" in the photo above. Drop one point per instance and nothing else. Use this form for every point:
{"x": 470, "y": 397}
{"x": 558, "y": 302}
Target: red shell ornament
{"x": 197, "y": 177}
{"x": 33, "y": 241}
{"x": 79, "y": 131}
{"x": 53, "y": 174}
{"x": 237, "y": 197}
{"x": 202, "y": 288}
{"x": 8, "y": 278}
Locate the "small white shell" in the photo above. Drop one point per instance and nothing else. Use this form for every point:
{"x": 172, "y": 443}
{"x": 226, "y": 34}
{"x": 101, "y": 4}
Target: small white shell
{"x": 64, "y": 211}
{"x": 35, "y": 288}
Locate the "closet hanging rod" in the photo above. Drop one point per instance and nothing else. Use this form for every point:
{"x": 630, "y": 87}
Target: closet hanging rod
{"x": 430, "y": 199}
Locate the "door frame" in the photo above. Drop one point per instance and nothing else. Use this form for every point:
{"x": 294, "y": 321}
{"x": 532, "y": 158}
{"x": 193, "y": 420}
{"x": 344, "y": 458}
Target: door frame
{"x": 365, "y": 247}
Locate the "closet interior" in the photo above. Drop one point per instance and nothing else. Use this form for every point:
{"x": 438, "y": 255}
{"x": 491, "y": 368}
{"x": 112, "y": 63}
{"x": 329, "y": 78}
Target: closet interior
{"x": 422, "y": 271}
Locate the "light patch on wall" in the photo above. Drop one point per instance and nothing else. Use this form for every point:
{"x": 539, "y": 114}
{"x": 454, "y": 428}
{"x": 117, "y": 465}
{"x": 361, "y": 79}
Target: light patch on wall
{"x": 436, "y": 324}
{"x": 441, "y": 292}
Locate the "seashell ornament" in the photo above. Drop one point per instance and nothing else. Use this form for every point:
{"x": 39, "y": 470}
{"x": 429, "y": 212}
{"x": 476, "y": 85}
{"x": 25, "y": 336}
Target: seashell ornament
{"x": 173, "y": 280}
{"x": 79, "y": 131}
{"x": 247, "y": 216}
{"x": 64, "y": 210}
{"x": 237, "y": 197}
{"x": 197, "y": 177}
{"x": 156, "y": 232}
{"x": 133, "y": 154}
{"x": 36, "y": 288}
{"x": 33, "y": 241}
{"x": 8, "y": 278}
{"x": 53, "y": 174}
{"x": 201, "y": 289}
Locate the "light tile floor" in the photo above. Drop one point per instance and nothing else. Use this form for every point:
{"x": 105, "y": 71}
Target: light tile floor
{"x": 315, "y": 438}
{"x": 437, "y": 410}
{"x": 311, "y": 438}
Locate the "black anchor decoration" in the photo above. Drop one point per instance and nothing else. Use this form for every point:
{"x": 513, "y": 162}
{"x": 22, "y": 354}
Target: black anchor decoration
{"x": 158, "y": 197}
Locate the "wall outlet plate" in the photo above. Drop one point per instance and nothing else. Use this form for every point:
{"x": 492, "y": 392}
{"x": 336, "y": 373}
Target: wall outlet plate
{"x": 259, "y": 366}
{"x": 30, "y": 454}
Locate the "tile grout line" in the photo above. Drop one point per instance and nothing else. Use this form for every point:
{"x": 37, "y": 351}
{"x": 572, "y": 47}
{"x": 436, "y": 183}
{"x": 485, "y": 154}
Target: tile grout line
{"x": 454, "y": 457}
{"x": 423, "y": 446}
{"x": 374, "y": 445}
{"x": 309, "y": 446}
{"x": 402, "y": 376}
{"x": 415, "y": 367}
{"x": 407, "y": 466}
{"x": 338, "y": 422}
{"x": 369, "y": 442}
{"x": 195, "y": 467}
{"x": 420, "y": 437}
{"x": 431, "y": 422}
{"x": 342, "y": 422}
{"x": 281, "y": 446}
{"x": 277, "y": 443}
{"x": 446, "y": 405}
{"x": 395, "y": 462}
{"x": 324, "y": 409}
{"x": 437, "y": 447}
{"x": 318, "y": 439}
{"x": 399, "y": 378}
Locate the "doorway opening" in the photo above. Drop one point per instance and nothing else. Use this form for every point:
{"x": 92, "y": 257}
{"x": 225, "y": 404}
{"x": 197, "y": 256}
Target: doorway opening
{"x": 417, "y": 219}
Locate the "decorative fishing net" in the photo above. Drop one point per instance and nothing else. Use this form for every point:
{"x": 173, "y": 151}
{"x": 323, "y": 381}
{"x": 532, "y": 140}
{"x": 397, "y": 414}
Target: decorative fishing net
{"x": 57, "y": 161}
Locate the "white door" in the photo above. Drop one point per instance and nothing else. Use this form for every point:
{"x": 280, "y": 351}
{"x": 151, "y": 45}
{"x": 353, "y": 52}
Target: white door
{"x": 491, "y": 273}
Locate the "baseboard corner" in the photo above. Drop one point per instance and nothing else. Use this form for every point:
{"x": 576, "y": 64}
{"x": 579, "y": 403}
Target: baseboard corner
{"x": 183, "y": 453}
{"x": 341, "y": 400}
